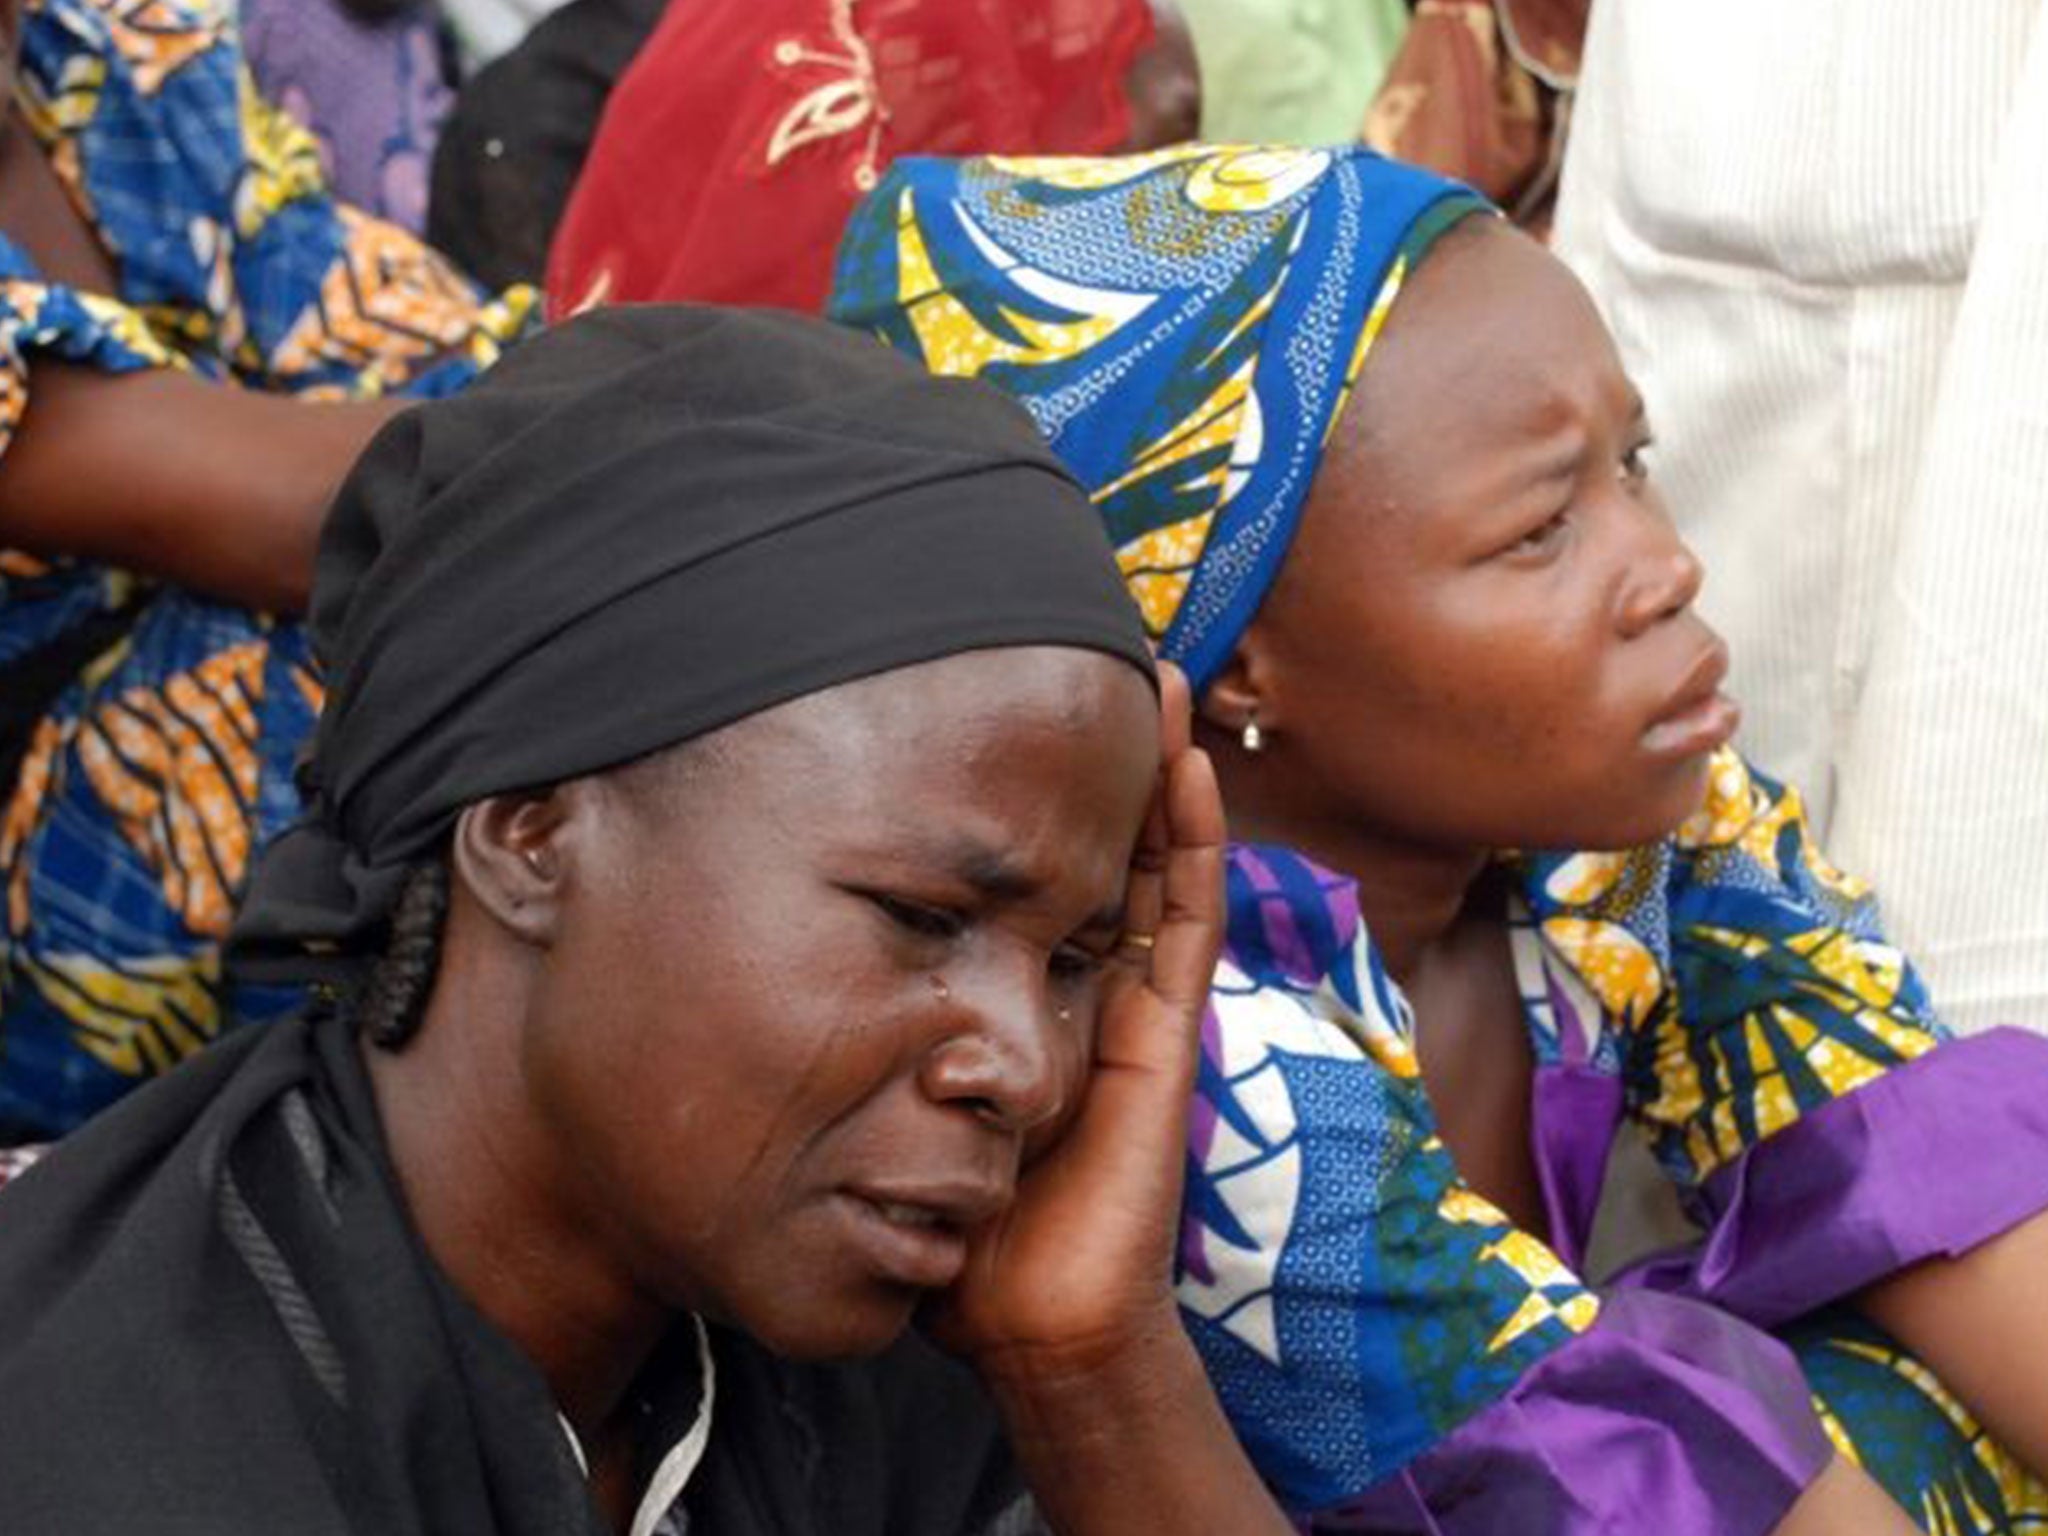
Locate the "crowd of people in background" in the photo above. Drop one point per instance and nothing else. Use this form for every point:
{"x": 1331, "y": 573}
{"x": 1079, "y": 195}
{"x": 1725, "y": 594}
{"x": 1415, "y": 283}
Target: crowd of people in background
{"x": 630, "y": 632}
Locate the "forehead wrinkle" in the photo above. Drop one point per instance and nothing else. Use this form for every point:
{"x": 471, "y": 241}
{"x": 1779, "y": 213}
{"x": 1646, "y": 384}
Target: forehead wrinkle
{"x": 1483, "y": 348}
{"x": 1392, "y": 423}
{"x": 989, "y": 870}
{"x": 967, "y": 705}
{"x": 1549, "y": 436}
{"x": 1485, "y": 452}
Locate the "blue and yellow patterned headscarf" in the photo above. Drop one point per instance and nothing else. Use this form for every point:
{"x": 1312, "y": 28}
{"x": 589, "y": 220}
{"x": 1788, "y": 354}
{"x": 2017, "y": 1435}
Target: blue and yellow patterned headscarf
{"x": 1184, "y": 326}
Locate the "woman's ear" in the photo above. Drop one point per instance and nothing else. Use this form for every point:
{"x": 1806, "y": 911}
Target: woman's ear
{"x": 1239, "y": 703}
{"x": 506, "y": 855}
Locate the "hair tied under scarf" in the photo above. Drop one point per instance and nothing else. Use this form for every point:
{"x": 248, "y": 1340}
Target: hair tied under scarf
{"x": 640, "y": 526}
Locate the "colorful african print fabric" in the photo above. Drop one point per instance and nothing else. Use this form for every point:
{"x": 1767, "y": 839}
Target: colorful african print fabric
{"x": 1884, "y": 1411}
{"x": 150, "y": 781}
{"x": 1386, "y": 1341}
{"x": 1184, "y": 326}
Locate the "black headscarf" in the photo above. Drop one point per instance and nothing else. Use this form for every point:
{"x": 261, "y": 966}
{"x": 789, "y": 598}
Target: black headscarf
{"x": 639, "y": 527}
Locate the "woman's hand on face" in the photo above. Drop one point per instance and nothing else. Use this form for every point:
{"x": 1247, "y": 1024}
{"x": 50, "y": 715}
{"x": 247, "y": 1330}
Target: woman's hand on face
{"x": 1078, "y": 1269}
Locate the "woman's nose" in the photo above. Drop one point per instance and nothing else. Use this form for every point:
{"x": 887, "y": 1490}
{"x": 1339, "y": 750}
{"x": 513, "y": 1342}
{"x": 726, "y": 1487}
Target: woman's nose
{"x": 1009, "y": 1062}
{"x": 1663, "y": 576}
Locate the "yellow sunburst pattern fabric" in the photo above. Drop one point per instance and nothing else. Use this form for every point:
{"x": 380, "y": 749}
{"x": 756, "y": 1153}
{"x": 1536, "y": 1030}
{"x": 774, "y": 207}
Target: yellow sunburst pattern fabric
{"x": 1553, "y": 1293}
{"x": 177, "y": 766}
{"x": 1355, "y": 1300}
{"x": 1747, "y": 980}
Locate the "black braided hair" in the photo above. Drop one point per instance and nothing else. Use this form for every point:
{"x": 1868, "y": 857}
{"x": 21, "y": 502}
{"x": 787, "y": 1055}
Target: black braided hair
{"x": 395, "y": 996}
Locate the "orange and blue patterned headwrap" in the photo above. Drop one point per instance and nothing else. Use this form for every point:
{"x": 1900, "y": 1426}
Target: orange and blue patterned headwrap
{"x": 1184, "y": 326}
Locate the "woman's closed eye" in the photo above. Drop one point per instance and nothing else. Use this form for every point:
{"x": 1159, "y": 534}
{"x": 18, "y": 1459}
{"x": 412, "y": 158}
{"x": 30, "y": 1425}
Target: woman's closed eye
{"x": 1542, "y": 541}
{"x": 1075, "y": 962}
{"x": 923, "y": 922}
{"x": 920, "y": 918}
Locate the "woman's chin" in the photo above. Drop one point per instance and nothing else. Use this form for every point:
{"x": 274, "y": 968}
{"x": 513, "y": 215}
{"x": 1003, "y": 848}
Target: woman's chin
{"x": 828, "y": 1332}
{"x": 1628, "y": 808}
{"x": 1667, "y": 801}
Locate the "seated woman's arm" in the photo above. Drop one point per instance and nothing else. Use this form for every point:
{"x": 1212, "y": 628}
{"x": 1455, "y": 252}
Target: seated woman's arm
{"x": 204, "y": 484}
{"x": 236, "y": 259}
{"x": 1843, "y": 1501}
{"x": 1977, "y": 1322}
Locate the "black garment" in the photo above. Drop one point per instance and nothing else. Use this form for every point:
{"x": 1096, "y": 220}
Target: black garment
{"x": 510, "y": 152}
{"x": 640, "y": 526}
{"x": 217, "y": 1320}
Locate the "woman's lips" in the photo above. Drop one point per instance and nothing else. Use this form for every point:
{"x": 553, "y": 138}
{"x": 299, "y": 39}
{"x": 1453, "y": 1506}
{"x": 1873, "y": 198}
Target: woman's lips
{"x": 1699, "y": 718}
{"x": 913, "y": 1242}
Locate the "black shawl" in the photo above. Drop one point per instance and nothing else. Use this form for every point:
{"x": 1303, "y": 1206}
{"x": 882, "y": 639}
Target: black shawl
{"x": 217, "y": 1320}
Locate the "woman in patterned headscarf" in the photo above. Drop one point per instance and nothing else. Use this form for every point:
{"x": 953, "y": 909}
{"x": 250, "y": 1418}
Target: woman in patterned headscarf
{"x": 195, "y": 340}
{"x": 1447, "y": 621}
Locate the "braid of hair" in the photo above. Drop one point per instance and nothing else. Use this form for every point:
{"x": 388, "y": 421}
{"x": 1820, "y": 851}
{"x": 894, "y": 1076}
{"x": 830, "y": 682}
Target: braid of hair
{"x": 395, "y": 996}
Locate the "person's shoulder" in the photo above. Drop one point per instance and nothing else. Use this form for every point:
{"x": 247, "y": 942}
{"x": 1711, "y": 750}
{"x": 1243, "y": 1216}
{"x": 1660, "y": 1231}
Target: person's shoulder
{"x": 152, "y": 38}
{"x": 1291, "y": 921}
{"x": 122, "y": 1312}
{"x": 1300, "y": 970}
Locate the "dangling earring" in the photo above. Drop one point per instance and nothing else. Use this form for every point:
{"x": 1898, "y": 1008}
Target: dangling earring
{"x": 1254, "y": 739}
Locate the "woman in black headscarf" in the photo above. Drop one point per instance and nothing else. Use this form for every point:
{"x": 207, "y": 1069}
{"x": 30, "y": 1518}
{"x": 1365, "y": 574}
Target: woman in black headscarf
{"x": 727, "y": 850}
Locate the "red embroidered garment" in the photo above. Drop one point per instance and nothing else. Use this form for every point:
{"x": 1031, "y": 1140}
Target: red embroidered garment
{"x": 741, "y": 137}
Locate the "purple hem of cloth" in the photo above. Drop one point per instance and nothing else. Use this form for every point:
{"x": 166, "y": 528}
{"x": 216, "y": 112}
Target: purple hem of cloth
{"x": 1665, "y": 1414}
{"x": 1933, "y": 1158}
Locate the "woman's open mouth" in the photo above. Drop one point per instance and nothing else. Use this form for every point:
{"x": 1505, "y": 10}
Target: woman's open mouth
{"x": 914, "y": 1238}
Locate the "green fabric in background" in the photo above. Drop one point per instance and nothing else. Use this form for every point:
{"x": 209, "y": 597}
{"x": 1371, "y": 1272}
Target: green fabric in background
{"x": 1291, "y": 71}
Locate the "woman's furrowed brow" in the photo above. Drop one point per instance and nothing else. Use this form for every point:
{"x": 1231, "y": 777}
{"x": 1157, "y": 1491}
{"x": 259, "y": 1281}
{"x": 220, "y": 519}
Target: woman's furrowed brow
{"x": 994, "y": 875}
